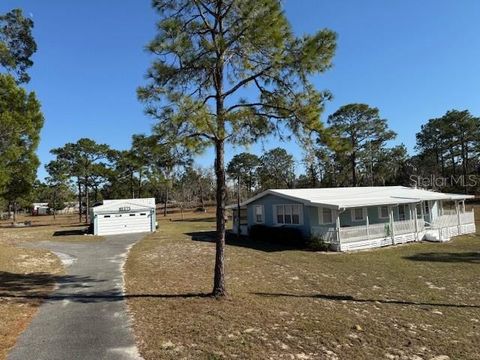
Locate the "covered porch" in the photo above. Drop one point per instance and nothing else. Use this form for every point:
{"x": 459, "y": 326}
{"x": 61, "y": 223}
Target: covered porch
{"x": 374, "y": 226}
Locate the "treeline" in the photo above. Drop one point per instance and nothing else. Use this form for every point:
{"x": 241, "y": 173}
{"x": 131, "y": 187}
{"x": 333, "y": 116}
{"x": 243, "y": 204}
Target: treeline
{"x": 448, "y": 148}
{"x": 21, "y": 119}
{"x": 353, "y": 150}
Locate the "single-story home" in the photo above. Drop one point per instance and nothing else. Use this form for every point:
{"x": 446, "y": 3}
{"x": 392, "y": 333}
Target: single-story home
{"x": 40, "y": 209}
{"x": 352, "y": 218}
{"x": 124, "y": 216}
{"x": 71, "y": 207}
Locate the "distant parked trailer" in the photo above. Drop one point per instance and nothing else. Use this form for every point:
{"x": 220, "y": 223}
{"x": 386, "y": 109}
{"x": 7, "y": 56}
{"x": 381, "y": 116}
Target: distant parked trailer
{"x": 40, "y": 209}
{"x": 124, "y": 216}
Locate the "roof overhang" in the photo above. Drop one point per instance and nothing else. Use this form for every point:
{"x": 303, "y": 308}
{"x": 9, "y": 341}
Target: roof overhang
{"x": 421, "y": 195}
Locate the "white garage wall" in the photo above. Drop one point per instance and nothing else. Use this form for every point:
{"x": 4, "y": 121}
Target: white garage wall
{"x": 125, "y": 223}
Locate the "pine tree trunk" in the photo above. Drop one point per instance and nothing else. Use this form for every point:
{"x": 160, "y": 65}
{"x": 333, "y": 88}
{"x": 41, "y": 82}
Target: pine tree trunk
{"x": 80, "y": 207}
{"x": 219, "y": 289}
{"x": 87, "y": 201}
{"x": 354, "y": 172}
{"x": 54, "y": 204}
{"x": 165, "y": 204}
{"x": 139, "y": 192}
{"x": 219, "y": 278}
{"x": 239, "y": 226}
{"x": 132, "y": 185}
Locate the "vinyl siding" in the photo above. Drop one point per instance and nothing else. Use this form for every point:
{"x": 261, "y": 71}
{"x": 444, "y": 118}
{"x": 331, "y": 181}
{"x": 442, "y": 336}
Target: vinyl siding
{"x": 268, "y": 202}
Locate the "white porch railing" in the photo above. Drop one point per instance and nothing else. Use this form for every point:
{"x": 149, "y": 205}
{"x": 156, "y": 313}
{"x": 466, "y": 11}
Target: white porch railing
{"x": 421, "y": 224}
{"x": 379, "y": 230}
{"x": 384, "y": 230}
{"x": 467, "y": 218}
{"x": 449, "y": 220}
{"x": 404, "y": 227}
{"x": 353, "y": 233}
{"x": 329, "y": 235}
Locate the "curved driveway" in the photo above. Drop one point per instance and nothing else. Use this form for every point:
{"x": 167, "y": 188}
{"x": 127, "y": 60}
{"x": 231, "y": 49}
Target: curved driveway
{"x": 86, "y": 317}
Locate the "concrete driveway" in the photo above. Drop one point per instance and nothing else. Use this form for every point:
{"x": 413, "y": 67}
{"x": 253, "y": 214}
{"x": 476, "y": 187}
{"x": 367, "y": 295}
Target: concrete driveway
{"x": 86, "y": 317}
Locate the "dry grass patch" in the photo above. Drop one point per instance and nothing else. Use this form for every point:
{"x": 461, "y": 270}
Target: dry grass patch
{"x": 408, "y": 302}
{"x": 65, "y": 228}
{"x": 26, "y": 276}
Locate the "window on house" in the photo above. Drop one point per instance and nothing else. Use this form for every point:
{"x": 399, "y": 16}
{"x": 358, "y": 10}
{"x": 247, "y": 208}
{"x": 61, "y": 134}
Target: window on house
{"x": 358, "y": 215}
{"x": 289, "y": 214}
{"x": 259, "y": 213}
{"x": 280, "y": 218}
{"x": 296, "y": 214}
{"x": 383, "y": 212}
{"x": 326, "y": 216}
{"x": 427, "y": 208}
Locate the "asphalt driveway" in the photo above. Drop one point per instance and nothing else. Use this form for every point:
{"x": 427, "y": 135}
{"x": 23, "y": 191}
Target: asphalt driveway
{"x": 86, "y": 317}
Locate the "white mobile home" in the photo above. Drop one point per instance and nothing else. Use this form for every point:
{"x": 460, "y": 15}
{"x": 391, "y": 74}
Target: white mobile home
{"x": 361, "y": 217}
{"x": 123, "y": 216}
{"x": 40, "y": 209}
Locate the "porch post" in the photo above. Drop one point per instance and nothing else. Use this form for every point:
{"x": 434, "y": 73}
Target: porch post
{"x": 337, "y": 229}
{"x": 367, "y": 223}
{"x": 457, "y": 208}
{"x": 416, "y": 221}
{"x": 392, "y": 230}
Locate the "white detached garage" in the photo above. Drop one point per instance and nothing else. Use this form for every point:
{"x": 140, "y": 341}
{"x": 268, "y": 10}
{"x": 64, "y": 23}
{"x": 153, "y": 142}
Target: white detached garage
{"x": 124, "y": 216}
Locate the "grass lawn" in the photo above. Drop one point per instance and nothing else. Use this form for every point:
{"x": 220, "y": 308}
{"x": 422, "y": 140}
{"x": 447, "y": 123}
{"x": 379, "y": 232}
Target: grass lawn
{"x": 415, "y": 301}
{"x": 29, "y": 272}
{"x": 64, "y": 229}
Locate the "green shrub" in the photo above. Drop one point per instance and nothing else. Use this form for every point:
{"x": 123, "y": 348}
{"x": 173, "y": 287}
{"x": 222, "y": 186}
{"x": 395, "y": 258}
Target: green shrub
{"x": 280, "y": 235}
{"x": 316, "y": 243}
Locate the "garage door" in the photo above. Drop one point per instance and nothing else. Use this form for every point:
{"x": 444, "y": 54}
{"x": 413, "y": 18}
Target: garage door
{"x": 113, "y": 224}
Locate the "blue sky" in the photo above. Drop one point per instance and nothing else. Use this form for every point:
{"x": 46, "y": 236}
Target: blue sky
{"x": 414, "y": 60}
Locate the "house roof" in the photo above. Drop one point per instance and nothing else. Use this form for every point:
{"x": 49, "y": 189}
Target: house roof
{"x": 124, "y": 205}
{"x": 351, "y": 197}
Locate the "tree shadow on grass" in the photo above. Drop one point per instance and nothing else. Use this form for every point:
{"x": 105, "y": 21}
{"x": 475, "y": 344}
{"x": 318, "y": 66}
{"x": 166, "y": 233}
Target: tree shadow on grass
{"x": 349, "y": 298}
{"x": 233, "y": 240}
{"x": 463, "y": 257}
{"x": 71, "y": 232}
{"x": 34, "y": 287}
{"x": 40, "y": 283}
{"x": 208, "y": 219}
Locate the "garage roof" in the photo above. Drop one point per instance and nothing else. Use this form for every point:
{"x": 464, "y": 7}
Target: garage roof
{"x": 351, "y": 197}
{"x": 123, "y": 206}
